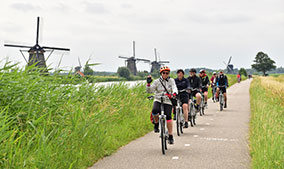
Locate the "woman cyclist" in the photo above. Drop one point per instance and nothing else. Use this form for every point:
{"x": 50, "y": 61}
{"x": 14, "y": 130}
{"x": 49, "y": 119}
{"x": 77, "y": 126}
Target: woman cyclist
{"x": 163, "y": 86}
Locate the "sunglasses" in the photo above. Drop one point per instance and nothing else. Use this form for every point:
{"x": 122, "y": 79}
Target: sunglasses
{"x": 166, "y": 73}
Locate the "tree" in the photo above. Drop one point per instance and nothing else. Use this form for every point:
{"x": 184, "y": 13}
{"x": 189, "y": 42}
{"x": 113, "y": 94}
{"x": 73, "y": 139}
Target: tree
{"x": 123, "y": 72}
{"x": 243, "y": 71}
{"x": 263, "y": 63}
{"x": 143, "y": 74}
{"x": 88, "y": 70}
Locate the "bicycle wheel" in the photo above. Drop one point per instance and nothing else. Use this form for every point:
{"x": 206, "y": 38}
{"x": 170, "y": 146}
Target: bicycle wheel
{"x": 202, "y": 110}
{"x": 182, "y": 120}
{"x": 178, "y": 121}
{"x": 221, "y": 102}
{"x": 163, "y": 136}
{"x": 181, "y": 128}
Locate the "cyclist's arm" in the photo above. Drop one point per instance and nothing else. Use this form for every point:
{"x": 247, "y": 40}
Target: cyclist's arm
{"x": 187, "y": 84}
{"x": 199, "y": 83}
{"x": 174, "y": 86}
{"x": 217, "y": 82}
{"x": 153, "y": 87}
{"x": 208, "y": 81}
{"x": 226, "y": 81}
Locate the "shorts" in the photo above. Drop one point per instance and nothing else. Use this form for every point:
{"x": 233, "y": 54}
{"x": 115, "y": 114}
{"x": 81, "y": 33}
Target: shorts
{"x": 204, "y": 90}
{"x": 184, "y": 98}
{"x": 194, "y": 93}
{"x": 157, "y": 110}
{"x": 223, "y": 89}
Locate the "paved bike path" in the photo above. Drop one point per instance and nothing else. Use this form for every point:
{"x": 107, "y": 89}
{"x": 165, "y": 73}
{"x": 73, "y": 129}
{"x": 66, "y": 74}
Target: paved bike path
{"x": 219, "y": 141}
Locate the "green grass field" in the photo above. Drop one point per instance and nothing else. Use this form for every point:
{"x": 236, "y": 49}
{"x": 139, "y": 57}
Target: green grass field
{"x": 267, "y": 122}
{"x": 46, "y": 124}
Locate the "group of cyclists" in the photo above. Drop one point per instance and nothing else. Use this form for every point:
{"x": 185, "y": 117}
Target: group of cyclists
{"x": 194, "y": 85}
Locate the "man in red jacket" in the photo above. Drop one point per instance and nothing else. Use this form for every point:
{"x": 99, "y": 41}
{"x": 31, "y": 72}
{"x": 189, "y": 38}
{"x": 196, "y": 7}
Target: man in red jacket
{"x": 213, "y": 85}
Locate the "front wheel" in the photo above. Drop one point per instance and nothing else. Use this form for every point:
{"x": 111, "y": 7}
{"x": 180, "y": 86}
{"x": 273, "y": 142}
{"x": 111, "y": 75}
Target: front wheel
{"x": 163, "y": 136}
{"x": 221, "y": 102}
{"x": 178, "y": 121}
{"x": 190, "y": 115}
{"x": 202, "y": 110}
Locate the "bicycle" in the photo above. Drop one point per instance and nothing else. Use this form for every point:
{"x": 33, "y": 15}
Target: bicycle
{"x": 179, "y": 114}
{"x": 164, "y": 134}
{"x": 214, "y": 89}
{"x": 192, "y": 109}
{"x": 221, "y": 98}
{"x": 202, "y": 104}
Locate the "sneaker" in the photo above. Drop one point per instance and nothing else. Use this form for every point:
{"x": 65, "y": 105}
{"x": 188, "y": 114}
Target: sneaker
{"x": 225, "y": 105}
{"x": 156, "y": 128}
{"x": 186, "y": 125}
{"x": 171, "y": 139}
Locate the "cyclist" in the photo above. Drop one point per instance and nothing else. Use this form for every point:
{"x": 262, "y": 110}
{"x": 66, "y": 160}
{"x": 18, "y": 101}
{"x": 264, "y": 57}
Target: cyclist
{"x": 205, "y": 83}
{"x": 163, "y": 85}
{"x": 222, "y": 84}
{"x": 213, "y": 84}
{"x": 239, "y": 78}
{"x": 183, "y": 84}
{"x": 194, "y": 83}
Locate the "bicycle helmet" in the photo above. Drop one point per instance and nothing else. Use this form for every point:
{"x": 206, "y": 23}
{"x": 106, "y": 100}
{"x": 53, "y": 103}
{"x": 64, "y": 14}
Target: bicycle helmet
{"x": 193, "y": 70}
{"x": 202, "y": 71}
{"x": 164, "y": 68}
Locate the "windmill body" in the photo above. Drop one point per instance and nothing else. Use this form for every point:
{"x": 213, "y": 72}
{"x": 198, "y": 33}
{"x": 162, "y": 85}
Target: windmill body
{"x": 131, "y": 61}
{"x": 156, "y": 65}
{"x": 229, "y": 66}
{"x": 36, "y": 52}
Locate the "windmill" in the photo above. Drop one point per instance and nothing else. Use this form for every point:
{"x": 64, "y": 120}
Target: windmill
{"x": 229, "y": 66}
{"x": 156, "y": 65}
{"x": 131, "y": 61}
{"x": 78, "y": 69}
{"x": 36, "y": 52}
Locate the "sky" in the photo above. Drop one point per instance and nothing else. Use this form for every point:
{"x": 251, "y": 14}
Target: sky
{"x": 188, "y": 33}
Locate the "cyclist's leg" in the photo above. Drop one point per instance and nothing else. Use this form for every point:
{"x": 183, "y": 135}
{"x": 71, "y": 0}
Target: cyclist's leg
{"x": 198, "y": 98}
{"x": 168, "y": 113}
{"x": 156, "y": 111}
{"x": 205, "y": 91}
{"x": 185, "y": 101}
{"x": 225, "y": 94}
{"x": 217, "y": 93}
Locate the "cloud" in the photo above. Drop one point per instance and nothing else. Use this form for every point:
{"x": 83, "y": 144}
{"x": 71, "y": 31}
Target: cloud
{"x": 25, "y": 7}
{"x": 62, "y": 7}
{"x": 96, "y": 8}
{"x": 220, "y": 18}
{"x": 126, "y": 6}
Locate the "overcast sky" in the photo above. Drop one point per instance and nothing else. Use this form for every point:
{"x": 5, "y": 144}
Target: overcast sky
{"x": 189, "y": 33}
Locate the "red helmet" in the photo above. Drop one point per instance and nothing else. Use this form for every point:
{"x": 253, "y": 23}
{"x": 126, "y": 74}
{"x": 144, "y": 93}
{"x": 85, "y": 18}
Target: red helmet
{"x": 164, "y": 68}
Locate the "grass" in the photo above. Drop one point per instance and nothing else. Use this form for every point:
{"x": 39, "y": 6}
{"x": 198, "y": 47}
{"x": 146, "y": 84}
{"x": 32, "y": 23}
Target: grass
{"x": 267, "y": 125}
{"x": 44, "y": 124}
